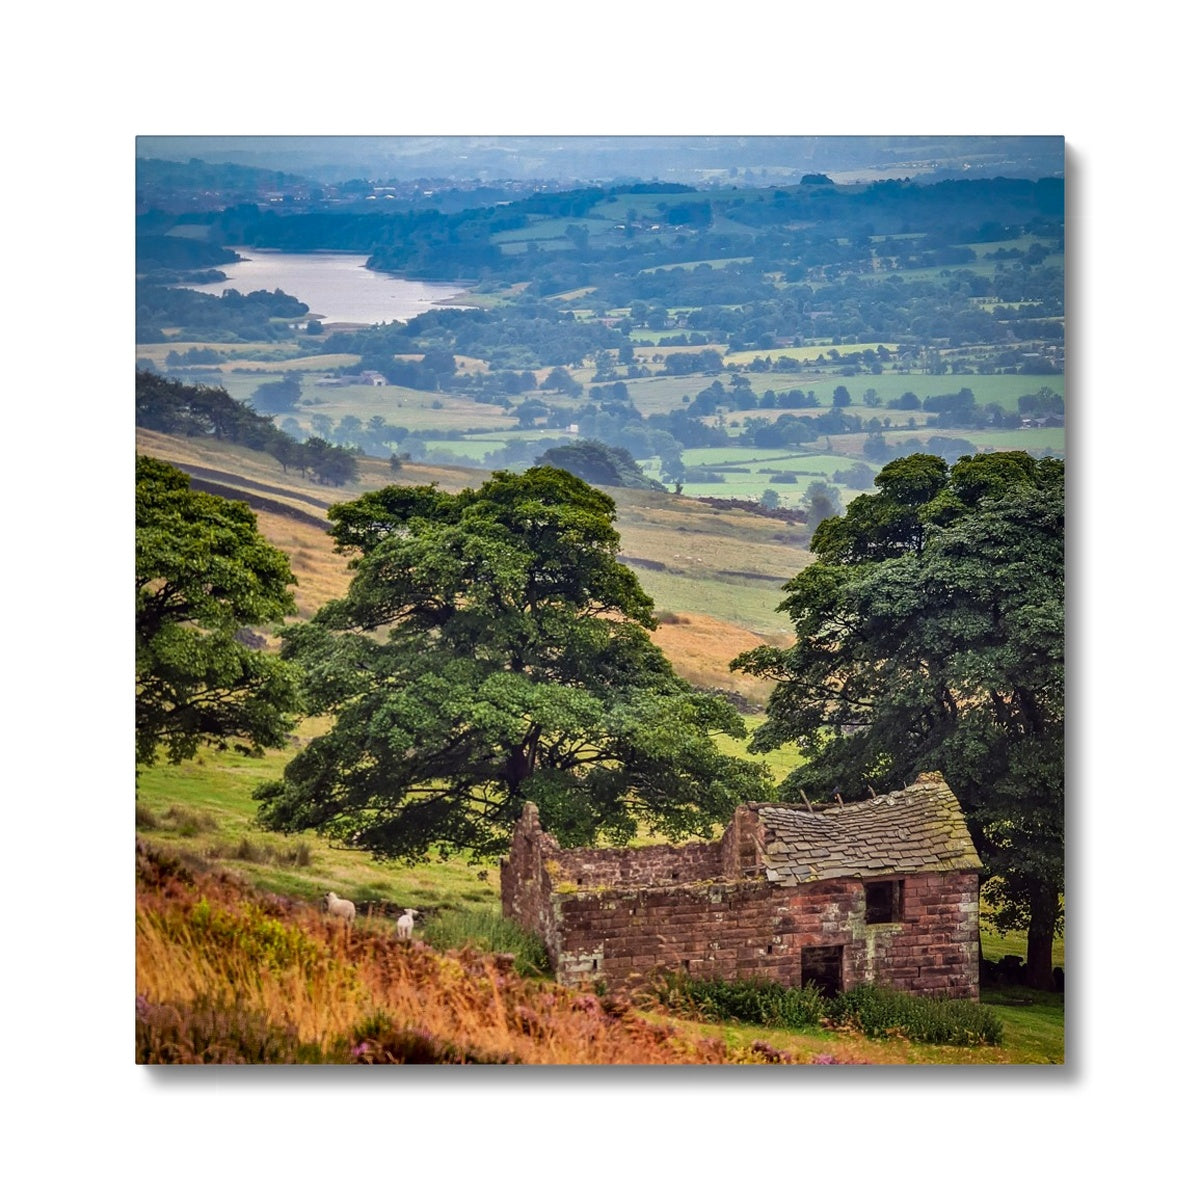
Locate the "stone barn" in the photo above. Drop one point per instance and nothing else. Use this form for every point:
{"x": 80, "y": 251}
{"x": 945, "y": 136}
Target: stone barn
{"x": 883, "y": 891}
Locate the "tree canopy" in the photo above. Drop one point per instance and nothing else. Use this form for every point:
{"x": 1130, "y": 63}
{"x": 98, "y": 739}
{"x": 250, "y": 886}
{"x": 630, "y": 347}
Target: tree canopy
{"x": 492, "y": 651}
{"x": 180, "y": 408}
{"x": 599, "y": 464}
{"x": 929, "y": 636}
{"x": 204, "y": 575}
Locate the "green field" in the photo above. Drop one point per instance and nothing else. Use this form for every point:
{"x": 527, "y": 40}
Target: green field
{"x": 806, "y": 354}
{"x": 204, "y": 810}
{"x": 550, "y": 229}
{"x": 747, "y": 604}
{"x": 1034, "y": 441}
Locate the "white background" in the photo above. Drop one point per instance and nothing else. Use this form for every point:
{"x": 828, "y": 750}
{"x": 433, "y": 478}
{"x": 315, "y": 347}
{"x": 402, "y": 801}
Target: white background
{"x": 82, "y": 84}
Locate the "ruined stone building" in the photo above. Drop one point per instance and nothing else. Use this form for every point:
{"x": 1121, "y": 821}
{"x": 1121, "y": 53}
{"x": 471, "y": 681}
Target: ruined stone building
{"x": 883, "y": 891}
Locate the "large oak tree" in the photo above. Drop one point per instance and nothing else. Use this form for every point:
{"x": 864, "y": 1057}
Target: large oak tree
{"x": 491, "y": 651}
{"x": 204, "y": 574}
{"x": 929, "y": 636}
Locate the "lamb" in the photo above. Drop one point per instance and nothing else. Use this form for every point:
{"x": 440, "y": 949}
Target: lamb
{"x": 404, "y": 924}
{"x": 339, "y": 907}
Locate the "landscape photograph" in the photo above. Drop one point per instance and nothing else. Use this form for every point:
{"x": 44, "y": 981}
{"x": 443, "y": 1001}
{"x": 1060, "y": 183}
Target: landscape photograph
{"x": 621, "y": 502}
{"x": 600, "y": 602}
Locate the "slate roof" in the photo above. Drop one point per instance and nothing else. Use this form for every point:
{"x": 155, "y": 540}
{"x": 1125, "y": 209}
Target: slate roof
{"x": 921, "y": 828}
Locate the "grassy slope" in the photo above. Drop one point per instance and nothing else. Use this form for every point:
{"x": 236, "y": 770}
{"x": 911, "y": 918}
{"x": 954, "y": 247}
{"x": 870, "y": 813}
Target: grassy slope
{"x": 212, "y": 795}
{"x": 707, "y": 562}
{"x": 366, "y": 976}
{"x": 325, "y": 989}
{"x": 204, "y": 809}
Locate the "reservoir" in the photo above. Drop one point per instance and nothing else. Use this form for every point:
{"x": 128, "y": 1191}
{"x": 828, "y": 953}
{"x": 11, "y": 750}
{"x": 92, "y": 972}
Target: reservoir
{"x": 336, "y": 287}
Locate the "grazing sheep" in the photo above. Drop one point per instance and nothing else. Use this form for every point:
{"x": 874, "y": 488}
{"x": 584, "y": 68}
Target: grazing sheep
{"x": 339, "y": 907}
{"x": 404, "y": 924}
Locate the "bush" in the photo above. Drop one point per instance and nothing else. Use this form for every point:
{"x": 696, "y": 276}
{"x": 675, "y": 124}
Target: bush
{"x": 490, "y": 932}
{"x": 755, "y": 1001}
{"x": 881, "y": 1012}
{"x": 294, "y": 856}
{"x": 874, "y": 1011}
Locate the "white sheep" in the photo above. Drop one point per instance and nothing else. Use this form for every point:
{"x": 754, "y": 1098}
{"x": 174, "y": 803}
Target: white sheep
{"x": 404, "y": 924}
{"x": 339, "y": 907}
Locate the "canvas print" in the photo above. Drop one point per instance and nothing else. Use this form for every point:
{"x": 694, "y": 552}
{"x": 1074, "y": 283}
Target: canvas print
{"x": 600, "y": 600}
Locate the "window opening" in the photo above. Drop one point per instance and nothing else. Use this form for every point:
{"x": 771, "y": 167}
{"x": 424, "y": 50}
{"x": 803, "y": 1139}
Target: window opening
{"x": 885, "y": 901}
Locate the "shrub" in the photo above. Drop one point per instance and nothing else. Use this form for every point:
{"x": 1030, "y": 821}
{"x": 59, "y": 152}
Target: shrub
{"x": 490, "y": 932}
{"x": 875, "y": 1011}
{"x": 755, "y": 1001}
{"x": 882, "y": 1012}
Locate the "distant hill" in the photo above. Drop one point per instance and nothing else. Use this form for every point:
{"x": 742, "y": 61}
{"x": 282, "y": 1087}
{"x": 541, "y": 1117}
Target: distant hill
{"x": 681, "y": 159}
{"x": 159, "y": 181}
{"x": 716, "y": 576}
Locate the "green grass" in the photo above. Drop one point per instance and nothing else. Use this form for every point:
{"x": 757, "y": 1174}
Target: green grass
{"x": 662, "y": 393}
{"x": 551, "y": 228}
{"x": 780, "y": 762}
{"x": 214, "y": 791}
{"x": 1032, "y": 440}
{"x": 474, "y": 448}
{"x": 997, "y": 945}
{"x": 1033, "y": 1023}
{"x": 487, "y": 930}
{"x": 806, "y": 353}
{"x": 748, "y": 487}
{"x": 748, "y": 604}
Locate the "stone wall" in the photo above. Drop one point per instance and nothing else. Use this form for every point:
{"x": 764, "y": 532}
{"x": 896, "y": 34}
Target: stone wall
{"x": 703, "y": 909}
{"x": 728, "y": 930}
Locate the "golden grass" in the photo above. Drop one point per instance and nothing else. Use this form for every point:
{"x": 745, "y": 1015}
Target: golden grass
{"x": 700, "y": 649}
{"x": 204, "y": 941}
{"x": 709, "y": 557}
{"x": 322, "y": 574}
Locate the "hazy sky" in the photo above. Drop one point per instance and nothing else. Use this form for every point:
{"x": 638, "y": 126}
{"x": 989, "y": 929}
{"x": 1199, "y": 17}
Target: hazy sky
{"x": 684, "y": 159}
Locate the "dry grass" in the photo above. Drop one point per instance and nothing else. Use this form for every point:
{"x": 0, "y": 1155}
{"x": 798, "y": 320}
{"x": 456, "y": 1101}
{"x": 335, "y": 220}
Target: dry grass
{"x": 321, "y": 573}
{"x": 204, "y": 945}
{"x": 725, "y": 565}
{"x": 224, "y": 974}
{"x": 700, "y": 649}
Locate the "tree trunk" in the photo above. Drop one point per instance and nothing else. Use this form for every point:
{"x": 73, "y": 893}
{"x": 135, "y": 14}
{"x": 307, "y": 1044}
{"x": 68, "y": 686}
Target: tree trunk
{"x": 1039, "y": 967}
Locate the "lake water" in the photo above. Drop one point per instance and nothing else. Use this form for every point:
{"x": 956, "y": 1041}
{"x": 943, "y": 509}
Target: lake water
{"x": 336, "y": 287}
